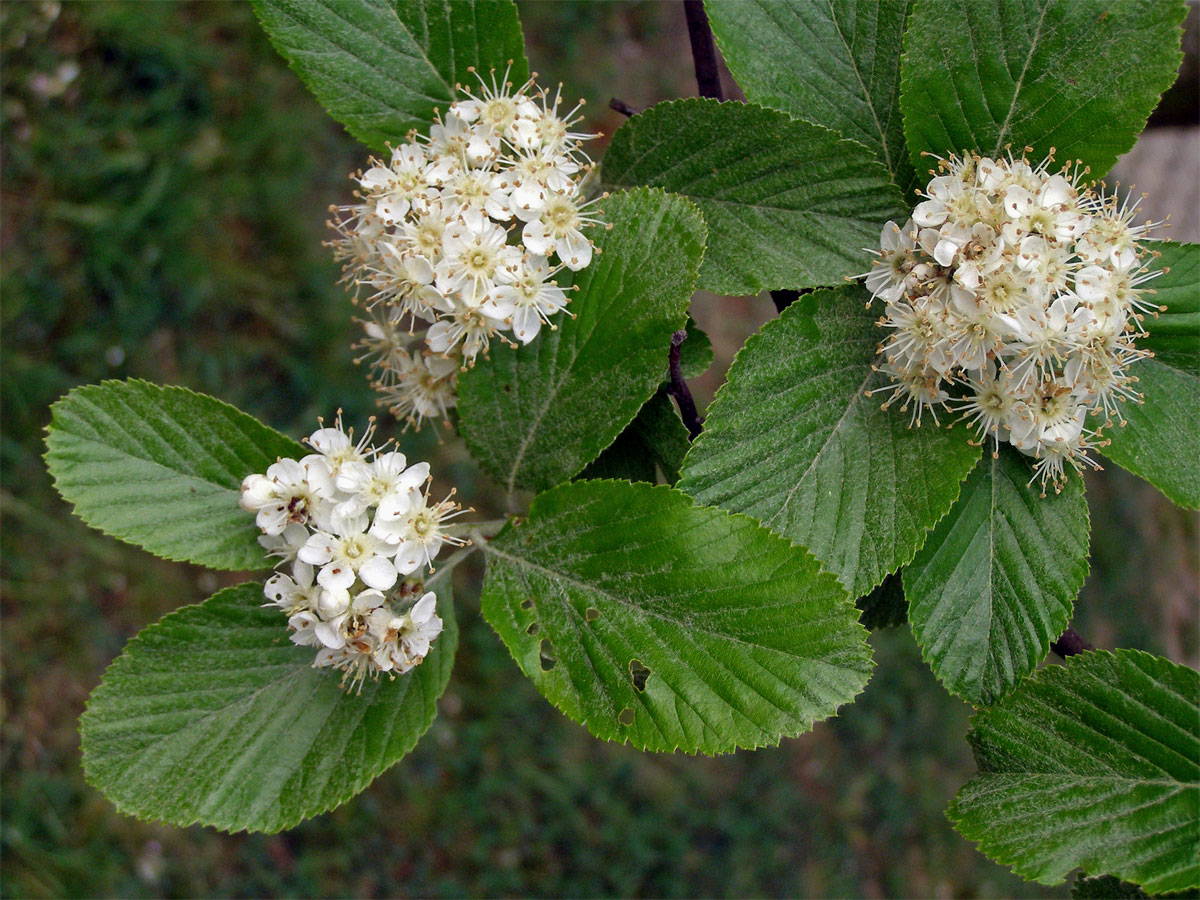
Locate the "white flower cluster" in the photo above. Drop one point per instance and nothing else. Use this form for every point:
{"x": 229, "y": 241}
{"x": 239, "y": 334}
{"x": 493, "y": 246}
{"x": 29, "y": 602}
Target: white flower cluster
{"x": 352, "y": 524}
{"x": 465, "y": 231}
{"x": 1013, "y": 297}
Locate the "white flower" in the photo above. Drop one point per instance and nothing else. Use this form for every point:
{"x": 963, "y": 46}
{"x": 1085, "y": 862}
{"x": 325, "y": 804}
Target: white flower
{"x": 526, "y": 298}
{"x": 293, "y": 595}
{"x": 474, "y": 251}
{"x": 465, "y": 328}
{"x": 304, "y": 628}
{"x": 889, "y": 276}
{"x": 336, "y": 446}
{"x": 286, "y": 545}
{"x": 345, "y": 619}
{"x": 431, "y": 242}
{"x": 988, "y": 405}
{"x": 422, "y": 627}
{"x": 349, "y": 553}
{"x": 422, "y": 387}
{"x": 347, "y": 606}
{"x": 396, "y": 188}
{"x": 371, "y": 483}
{"x": 403, "y": 641}
{"x": 1014, "y": 295}
{"x": 416, "y": 529}
{"x": 289, "y": 493}
{"x": 557, "y": 230}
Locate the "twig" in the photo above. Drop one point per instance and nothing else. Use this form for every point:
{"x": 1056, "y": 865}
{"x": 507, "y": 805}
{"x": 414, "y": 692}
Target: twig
{"x": 479, "y": 533}
{"x": 679, "y": 390}
{"x": 1070, "y": 643}
{"x": 448, "y": 565}
{"x": 704, "y": 51}
{"x": 623, "y": 108}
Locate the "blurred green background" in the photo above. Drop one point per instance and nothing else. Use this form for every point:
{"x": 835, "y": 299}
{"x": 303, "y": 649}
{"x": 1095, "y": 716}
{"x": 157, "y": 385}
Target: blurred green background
{"x": 165, "y": 184}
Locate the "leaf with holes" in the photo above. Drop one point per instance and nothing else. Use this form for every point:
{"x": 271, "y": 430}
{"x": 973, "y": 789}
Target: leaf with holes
{"x": 671, "y": 626}
{"x": 1093, "y": 764}
{"x": 162, "y": 467}
{"x": 381, "y": 67}
{"x": 1160, "y": 439}
{"x": 792, "y": 440}
{"x": 788, "y": 204}
{"x": 996, "y": 580}
{"x": 656, "y": 440}
{"x": 1080, "y": 76}
{"x": 212, "y": 715}
{"x": 835, "y": 64}
{"x": 535, "y": 416}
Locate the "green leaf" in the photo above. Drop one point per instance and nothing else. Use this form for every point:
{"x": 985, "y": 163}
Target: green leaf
{"x": 885, "y": 606}
{"x": 792, "y": 440}
{"x": 656, "y": 440}
{"x": 212, "y": 715}
{"x": 162, "y": 467}
{"x": 1080, "y": 76}
{"x": 671, "y": 626}
{"x": 535, "y": 416}
{"x": 997, "y": 579}
{"x": 381, "y": 67}
{"x": 1174, "y": 334}
{"x": 788, "y": 204}
{"x": 696, "y": 353}
{"x": 835, "y": 64}
{"x": 1093, "y": 764}
{"x": 1161, "y": 435}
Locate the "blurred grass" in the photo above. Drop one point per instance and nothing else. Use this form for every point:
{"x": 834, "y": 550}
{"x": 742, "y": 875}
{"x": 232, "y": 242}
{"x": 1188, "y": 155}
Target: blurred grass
{"x": 165, "y": 180}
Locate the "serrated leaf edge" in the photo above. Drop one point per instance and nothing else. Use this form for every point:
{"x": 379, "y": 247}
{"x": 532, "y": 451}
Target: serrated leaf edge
{"x": 50, "y": 428}
{"x": 863, "y": 633}
{"x": 810, "y": 297}
{"x": 1050, "y": 674}
{"x": 132, "y": 653}
{"x": 476, "y": 450}
{"x": 979, "y": 701}
{"x": 719, "y": 288}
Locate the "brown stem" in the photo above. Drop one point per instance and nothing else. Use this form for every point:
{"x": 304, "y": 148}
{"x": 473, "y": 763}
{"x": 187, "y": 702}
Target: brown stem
{"x": 680, "y": 391}
{"x": 623, "y": 108}
{"x": 704, "y": 51}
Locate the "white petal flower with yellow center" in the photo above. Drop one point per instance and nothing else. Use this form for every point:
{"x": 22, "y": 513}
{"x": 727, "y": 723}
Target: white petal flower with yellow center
{"x": 350, "y": 553}
{"x": 526, "y": 298}
{"x": 1014, "y": 295}
{"x": 340, "y": 592}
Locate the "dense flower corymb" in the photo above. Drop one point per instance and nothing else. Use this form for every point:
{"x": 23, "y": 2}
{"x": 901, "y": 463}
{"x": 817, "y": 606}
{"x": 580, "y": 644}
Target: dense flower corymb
{"x": 1014, "y": 296}
{"x": 355, "y": 531}
{"x": 464, "y": 232}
